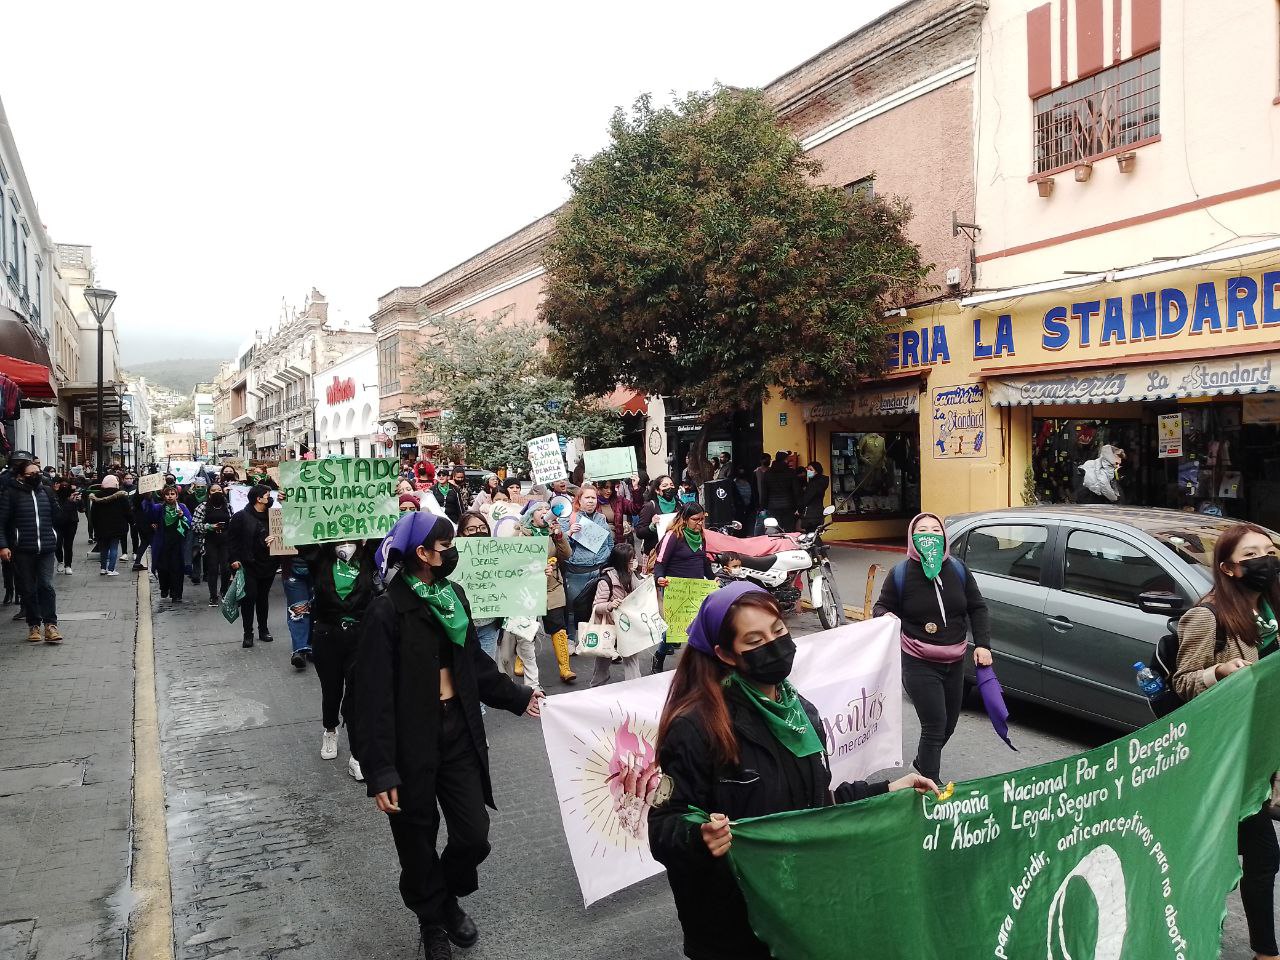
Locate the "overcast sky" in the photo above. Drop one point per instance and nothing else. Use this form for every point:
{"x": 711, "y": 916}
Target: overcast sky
{"x": 219, "y": 157}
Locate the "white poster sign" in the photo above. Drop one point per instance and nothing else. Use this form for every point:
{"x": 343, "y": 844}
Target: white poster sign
{"x": 1170, "y": 435}
{"x": 151, "y": 483}
{"x": 185, "y": 470}
{"x": 591, "y": 535}
{"x": 601, "y": 745}
{"x": 238, "y": 497}
{"x": 546, "y": 461}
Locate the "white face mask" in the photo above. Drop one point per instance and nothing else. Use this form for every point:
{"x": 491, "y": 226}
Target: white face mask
{"x": 810, "y": 474}
{"x": 346, "y": 551}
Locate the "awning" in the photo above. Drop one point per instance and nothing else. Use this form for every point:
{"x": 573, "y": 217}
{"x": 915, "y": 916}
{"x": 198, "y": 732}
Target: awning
{"x": 627, "y": 400}
{"x": 878, "y": 401}
{"x": 1145, "y": 380}
{"x": 32, "y": 378}
{"x": 18, "y": 340}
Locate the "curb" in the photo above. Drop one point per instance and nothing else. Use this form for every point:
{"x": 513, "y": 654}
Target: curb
{"x": 150, "y": 931}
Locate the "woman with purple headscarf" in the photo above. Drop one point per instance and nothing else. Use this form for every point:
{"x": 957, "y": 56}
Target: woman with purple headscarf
{"x": 938, "y": 603}
{"x": 420, "y": 679}
{"x": 735, "y": 740}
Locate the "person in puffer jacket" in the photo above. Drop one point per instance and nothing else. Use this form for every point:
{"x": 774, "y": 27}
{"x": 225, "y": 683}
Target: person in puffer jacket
{"x": 28, "y": 518}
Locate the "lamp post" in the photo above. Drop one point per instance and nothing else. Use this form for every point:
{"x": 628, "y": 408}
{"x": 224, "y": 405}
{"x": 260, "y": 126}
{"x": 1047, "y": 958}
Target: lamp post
{"x": 100, "y": 302}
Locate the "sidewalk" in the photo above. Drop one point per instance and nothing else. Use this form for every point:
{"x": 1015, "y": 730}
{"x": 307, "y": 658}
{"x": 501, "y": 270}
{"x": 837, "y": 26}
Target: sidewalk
{"x": 66, "y": 765}
{"x": 851, "y": 565}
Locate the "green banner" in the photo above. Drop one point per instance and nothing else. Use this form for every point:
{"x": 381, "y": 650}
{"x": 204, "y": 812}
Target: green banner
{"x": 612, "y": 463}
{"x": 681, "y": 599}
{"x": 1126, "y": 851}
{"x": 503, "y": 576}
{"x": 338, "y": 498}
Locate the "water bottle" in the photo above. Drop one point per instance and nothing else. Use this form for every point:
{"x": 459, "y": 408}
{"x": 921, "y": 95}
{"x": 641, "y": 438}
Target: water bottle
{"x": 1150, "y": 684}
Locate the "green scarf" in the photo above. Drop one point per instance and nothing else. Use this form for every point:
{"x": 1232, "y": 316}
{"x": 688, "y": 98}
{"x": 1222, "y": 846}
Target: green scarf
{"x": 1268, "y": 628}
{"x": 665, "y": 505}
{"x": 694, "y": 540}
{"x": 785, "y": 717}
{"x": 199, "y": 492}
{"x": 442, "y": 492}
{"x": 536, "y": 531}
{"x": 932, "y": 547}
{"x": 173, "y": 518}
{"x": 344, "y": 578}
{"x": 444, "y": 606}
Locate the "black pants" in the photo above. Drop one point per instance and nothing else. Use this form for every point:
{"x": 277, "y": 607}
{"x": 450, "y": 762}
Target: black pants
{"x": 140, "y": 535}
{"x": 65, "y": 552}
{"x": 428, "y": 882}
{"x": 1256, "y": 842}
{"x": 217, "y": 571}
{"x": 936, "y": 690}
{"x": 333, "y": 650}
{"x": 257, "y": 594}
{"x": 168, "y": 566}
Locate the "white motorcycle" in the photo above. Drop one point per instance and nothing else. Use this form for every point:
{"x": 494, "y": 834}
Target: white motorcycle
{"x": 778, "y": 572}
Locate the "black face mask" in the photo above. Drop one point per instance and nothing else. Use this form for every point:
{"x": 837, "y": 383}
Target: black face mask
{"x": 1259, "y": 573}
{"x": 32, "y": 481}
{"x": 217, "y": 499}
{"x": 448, "y": 563}
{"x": 770, "y": 663}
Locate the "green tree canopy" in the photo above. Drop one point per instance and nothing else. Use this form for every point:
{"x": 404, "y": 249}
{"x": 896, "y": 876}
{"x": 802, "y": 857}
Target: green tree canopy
{"x": 698, "y": 258}
{"x": 489, "y": 377}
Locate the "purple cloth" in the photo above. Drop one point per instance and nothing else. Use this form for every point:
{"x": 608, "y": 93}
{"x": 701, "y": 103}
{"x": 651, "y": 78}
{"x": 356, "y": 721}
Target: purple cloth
{"x": 993, "y": 700}
{"x": 411, "y": 531}
{"x": 704, "y": 632}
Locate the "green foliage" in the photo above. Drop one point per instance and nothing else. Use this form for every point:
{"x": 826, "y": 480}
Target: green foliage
{"x": 697, "y": 258}
{"x": 1029, "y": 496}
{"x": 489, "y": 375}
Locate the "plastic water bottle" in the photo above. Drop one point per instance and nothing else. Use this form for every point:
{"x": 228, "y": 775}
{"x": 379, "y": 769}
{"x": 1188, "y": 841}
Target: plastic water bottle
{"x": 1150, "y": 684}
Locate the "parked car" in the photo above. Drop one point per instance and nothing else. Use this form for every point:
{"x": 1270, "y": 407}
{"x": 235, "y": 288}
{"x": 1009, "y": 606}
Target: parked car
{"x": 1078, "y": 594}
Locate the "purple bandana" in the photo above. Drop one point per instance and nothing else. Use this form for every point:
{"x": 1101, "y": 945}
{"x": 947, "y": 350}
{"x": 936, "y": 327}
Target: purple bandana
{"x": 704, "y": 632}
{"x": 411, "y": 531}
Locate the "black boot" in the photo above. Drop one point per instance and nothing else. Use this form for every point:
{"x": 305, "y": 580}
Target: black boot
{"x": 461, "y": 928}
{"x": 435, "y": 943}
{"x": 8, "y": 596}
{"x": 248, "y": 640}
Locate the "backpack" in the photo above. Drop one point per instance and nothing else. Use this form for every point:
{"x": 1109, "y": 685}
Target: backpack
{"x": 1165, "y": 661}
{"x": 899, "y": 574}
{"x": 585, "y": 602}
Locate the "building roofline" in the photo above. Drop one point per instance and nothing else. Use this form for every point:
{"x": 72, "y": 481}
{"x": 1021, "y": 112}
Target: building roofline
{"x": 20, "y": 174}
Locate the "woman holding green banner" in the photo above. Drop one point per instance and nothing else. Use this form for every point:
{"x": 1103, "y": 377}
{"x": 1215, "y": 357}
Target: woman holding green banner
{"x": 735, "y": 740}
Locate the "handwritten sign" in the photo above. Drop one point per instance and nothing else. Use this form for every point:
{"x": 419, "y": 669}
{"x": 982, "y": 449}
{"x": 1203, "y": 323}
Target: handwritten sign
{"x": 591, "y": 536}
{"x": 503, "y": 577}
{"x": 612, "y": 463}
{"x": 545, "y": 460}
{"x": 151, "y": 483}
{"x": 681, "y": 601}
{"x": 275, "y": 528}
{"x": 334, "y": 499}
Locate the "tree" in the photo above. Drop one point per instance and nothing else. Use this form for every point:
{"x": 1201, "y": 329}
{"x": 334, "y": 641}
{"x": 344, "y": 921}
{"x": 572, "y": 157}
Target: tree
{"x": 184, "y": 410}
{"x": 489, "y": 378}
{"x": 697, "y": 258}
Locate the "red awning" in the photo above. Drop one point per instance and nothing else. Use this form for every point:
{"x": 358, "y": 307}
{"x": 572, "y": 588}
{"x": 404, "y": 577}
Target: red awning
{"x": 627, "y": 400}
{"x": 32, "y": 378}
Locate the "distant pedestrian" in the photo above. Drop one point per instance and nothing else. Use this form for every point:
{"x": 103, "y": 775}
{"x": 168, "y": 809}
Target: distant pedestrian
{"x": 516, "y": 653}
{"x": 211, "y": 520}
{"x": 249, "y": 548}
{"x": 111, "y": 512}
{"x": 781, "y": 492}
{"x": 813, "y": 498}
{"x": 70, "y": 506}
{"x": 617, "y": 584}
{"x": 170, "y": 543}
{"x": 28, "y": 536}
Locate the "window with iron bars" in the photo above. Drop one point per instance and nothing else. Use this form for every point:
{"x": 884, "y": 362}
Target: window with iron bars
{"x": 1113, "y": 109}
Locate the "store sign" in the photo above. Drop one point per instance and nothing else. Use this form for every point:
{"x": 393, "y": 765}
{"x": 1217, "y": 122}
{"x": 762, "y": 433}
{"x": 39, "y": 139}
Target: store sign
{"x": 75, "y": 417}
{"x": 1169, "y": 428}
{"x": 871, "y": 403}
{"x": 1264, "y": 409}
{"x": 959, "y": 422}
{"x": 340, "y": 391}
{"x": 1198, "y": 378}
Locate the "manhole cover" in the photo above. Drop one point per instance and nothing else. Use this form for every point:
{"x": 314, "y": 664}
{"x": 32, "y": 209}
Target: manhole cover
{"x": 87, "y": 615}
{"x": 64, "y": 773}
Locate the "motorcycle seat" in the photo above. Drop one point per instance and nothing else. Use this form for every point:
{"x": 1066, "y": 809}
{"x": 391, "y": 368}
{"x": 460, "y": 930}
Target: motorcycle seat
{"x": 759, "y": 563}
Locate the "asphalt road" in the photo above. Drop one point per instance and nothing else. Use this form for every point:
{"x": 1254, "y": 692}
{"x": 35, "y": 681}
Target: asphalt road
{"x": 277, "y": 853}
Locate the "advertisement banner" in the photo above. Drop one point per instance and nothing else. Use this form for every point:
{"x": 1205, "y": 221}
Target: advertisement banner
{"x": 1126, "y": 851}
{"x": 1170, "y": 435}
{"x": 613, "y": 463}
{"x": 503, "y": 576}
{"x": 601, "y": 745}
{"x": 546, "y": 460}
{"x": 338, "y": 499}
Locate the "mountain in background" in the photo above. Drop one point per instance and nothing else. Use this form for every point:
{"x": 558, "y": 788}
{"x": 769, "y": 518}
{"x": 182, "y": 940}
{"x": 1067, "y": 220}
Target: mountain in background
{"x": 140, "y": 348}
{"x": 179, "y": 375}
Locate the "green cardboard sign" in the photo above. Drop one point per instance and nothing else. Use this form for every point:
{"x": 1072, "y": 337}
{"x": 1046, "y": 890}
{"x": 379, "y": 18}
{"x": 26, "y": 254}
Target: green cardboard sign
{"x": 351, "y": 498}
{"x": 612, "y": 463}
{"x": 681, "y": 600}
{"x": 503, "y": 576}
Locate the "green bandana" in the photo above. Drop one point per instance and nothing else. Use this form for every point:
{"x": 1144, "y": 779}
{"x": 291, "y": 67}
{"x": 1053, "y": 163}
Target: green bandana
{"x": 665, "y": 505}
{"x": 785, "y": 717}
{"x": 444, "y": 606}
{"x": 442, "y": 491}
{"x": 344, "y": 578}
{"x": 173, "y": 518}
{"x": 931, "y": 547}
{"x": 199, "y": 492}
{"x": 1268, "y": 628}
{"x": 694, "y": 540}
{"x": 537, "y": 531}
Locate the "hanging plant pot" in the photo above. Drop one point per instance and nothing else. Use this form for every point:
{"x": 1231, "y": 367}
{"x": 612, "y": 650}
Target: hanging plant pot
{"x": 1126, "y": 161}
{"x": 1045, "y": 187}
{"x": 1083, "y": 172}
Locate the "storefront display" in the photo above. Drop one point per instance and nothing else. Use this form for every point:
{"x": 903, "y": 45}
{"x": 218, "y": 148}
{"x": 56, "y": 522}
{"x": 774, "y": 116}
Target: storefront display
{"x": 875, "y": 474}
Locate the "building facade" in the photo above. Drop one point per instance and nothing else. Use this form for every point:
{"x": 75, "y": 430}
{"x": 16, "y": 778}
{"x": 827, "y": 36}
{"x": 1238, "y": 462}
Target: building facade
{"x": 347, "y": 414}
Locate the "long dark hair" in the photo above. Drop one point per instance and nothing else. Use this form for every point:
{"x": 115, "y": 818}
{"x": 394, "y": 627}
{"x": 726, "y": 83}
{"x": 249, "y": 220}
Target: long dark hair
{"x": 697, "y": 688}
{"x": 1231, "y": 600}
{"x": 620, "y": 559}
{"x": 652, "y": 493}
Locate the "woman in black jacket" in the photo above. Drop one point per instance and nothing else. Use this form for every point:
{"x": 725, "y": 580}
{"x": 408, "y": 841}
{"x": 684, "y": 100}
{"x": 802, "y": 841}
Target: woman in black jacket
{"x": 813, "y": 498}
{"x": 780, "y": 491}
{"x": 248, "y": 548}
{"x": 420, "y": 679}
{"x": 111, "y": 516}
{"x": 735, "y": 740}
{"x": 682, "y": 553}
{"x": 938, "y": 604}
{"x": 659, "y": 499}
{"x": 71, "y": 505}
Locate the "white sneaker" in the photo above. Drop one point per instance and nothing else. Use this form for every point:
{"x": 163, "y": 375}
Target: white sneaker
{"x": 113, "y": 573}
{"x": 353, "y": 768}
{"x": 102, "y": 573}
{"x": 329, "y": 745}
{"x": 68, "y": 571}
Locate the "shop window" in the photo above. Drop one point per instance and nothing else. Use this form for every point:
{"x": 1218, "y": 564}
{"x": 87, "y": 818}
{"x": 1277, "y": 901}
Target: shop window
{"x": 1096, "y": 116}
{"x": 1062, "y": 448}
{"x": 875, "y": 474}
{"x": 862, "y": 187}
{"x": 1110, "y": 569}
{"x": 1015, "y": 552}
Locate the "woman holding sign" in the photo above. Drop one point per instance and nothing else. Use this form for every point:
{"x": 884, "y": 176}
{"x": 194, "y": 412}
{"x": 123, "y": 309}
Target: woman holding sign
{"x": 591, "y": 537}
{"x": 420, "y": 679}
{"x": 735, "y": 740}
{"x": 517, "y": 651}
{"x": 682, "y": 553}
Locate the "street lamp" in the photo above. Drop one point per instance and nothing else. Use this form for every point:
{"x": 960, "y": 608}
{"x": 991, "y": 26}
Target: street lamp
{"x": 100, "y": 302}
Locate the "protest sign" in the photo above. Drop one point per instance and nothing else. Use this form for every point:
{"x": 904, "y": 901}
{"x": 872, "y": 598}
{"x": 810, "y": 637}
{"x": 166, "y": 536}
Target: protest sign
{"x": 545, "y": 460}
{"x": 503, "y": 576}
{"x": 590, "y": 536}
{"x": 612, "y": 463}
{"x": 151, "y": 483}
{"x": 662, "y": 523}
{"x": 237, "y": 497}
{"x": 275, "y": 528}
{"x": 339, "y": 499}
{"x": 601, "y": 745}
{"x": 681, "y": 599}
{"x": 185, "y": 470}
{"x": 1124, "y": 851}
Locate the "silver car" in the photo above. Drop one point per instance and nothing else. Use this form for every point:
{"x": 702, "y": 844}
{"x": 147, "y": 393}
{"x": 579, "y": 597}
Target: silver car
{"x": 1078, "y": 594}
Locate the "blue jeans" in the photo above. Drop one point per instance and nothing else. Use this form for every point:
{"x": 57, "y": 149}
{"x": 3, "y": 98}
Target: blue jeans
{"x": 297, "y": 594}
{"x": 35, "y": 583}
{"x": 109, "y": 553}
{"x": 488, "y": 637}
